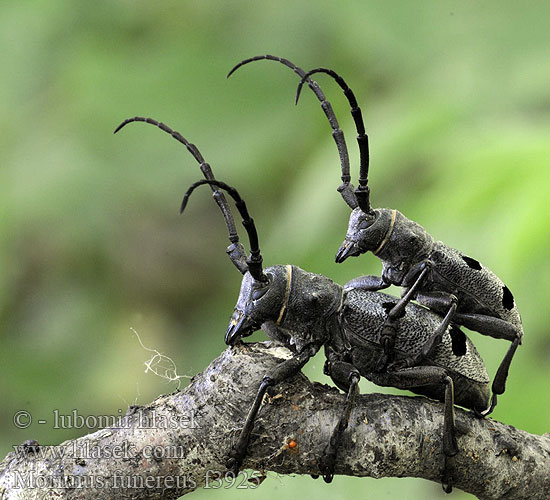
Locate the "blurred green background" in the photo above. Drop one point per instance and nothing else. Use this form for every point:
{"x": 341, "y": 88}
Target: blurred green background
{"x": 456, "y": 101}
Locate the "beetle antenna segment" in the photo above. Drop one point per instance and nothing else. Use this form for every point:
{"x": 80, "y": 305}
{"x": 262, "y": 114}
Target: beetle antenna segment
{"x": 362, "y": 192}
{"x": 254, "y": 261}
{"x": 346, "y": 189}
{"x": 176, "y": 135}
{"x": 204, "y": 166}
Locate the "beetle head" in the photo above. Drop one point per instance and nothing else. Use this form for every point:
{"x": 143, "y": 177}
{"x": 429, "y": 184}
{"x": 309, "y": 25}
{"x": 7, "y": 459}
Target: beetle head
{"x": 259, "y": 301}
{"x": 367, "y": 231}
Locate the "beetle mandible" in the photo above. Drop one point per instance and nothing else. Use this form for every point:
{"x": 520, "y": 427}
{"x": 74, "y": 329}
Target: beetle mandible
{"x": 430, "y": 272}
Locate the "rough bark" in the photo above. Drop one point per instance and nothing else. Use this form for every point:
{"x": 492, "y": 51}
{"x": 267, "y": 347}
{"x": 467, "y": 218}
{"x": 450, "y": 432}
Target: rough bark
{"x": 389, "y": 436}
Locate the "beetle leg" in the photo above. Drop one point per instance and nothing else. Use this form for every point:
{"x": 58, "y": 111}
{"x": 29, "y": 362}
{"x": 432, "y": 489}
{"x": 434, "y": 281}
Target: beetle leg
{"x": 499, "y": 382}
{"x": 489, "y": 325}
{"x": 486, "y": 325}
{"x": 442, "y": 302}
{"x": 398, "y": 310}
{"x": 498, "y": 329}
{"x": 435, "y": 340}
{"x": 418, "y": 376}
{"x": 344, "y": 375}
{"x": 431, "y": 344}
{"x": 281, "y": 372}
{"x": 370, "y": 283}
{"x": 389, "y": 329}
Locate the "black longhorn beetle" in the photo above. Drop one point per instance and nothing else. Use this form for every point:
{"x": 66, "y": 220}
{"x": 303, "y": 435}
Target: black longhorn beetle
{"x": 306, "y": 311}
{"x": 430, "y": 272}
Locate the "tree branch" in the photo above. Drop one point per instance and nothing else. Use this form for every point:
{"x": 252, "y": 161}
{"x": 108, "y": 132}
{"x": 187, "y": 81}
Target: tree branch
{"x": 190, "y": 432}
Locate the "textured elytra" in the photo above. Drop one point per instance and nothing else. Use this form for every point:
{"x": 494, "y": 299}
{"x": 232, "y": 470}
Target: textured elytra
{"x": 477, "y": 288}
{"x": 414, "y": 330}
{"x": 479, "y": 291}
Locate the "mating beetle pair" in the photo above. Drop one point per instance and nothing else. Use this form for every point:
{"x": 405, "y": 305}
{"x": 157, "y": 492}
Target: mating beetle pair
{"x": 360, "y": 328}
{"x": 430, "y": 272}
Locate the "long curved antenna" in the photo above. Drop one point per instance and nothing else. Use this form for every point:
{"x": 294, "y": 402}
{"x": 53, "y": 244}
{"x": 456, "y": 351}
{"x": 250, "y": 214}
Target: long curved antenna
{"x": 363, "y": 191}
{"x": 204, "y": 166}
{"x": 254, "y": 261}
{"x": 346, "y": 189}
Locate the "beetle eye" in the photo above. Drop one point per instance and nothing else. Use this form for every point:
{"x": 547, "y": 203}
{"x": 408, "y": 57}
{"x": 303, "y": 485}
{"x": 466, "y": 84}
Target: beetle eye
{"x": 365, "y": 223}
{"x": 259, "y": 293}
